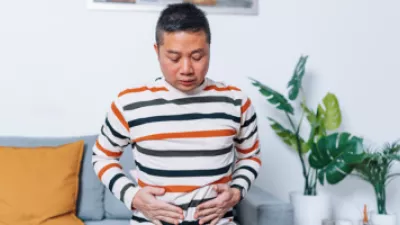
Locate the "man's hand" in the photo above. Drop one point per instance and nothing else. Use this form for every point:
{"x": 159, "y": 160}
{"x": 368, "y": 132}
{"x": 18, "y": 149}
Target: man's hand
{"x": 154, "y": 209}
{"x": 215, "y": 209}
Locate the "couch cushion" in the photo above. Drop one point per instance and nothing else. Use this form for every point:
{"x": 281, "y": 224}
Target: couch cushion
{"x": 114, "y": 208}
{"x": 90, "y": 198}
{"x": 40, "y": 185}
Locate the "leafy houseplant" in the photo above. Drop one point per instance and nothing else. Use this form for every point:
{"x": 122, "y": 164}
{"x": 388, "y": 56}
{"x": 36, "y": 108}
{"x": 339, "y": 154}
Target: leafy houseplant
{"x": 376, "y": 169}
{"x": 326, "y": 118}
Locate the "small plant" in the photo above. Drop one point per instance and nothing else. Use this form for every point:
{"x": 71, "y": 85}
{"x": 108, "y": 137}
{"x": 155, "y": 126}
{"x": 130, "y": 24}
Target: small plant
{"x": 326, "y": 118}
{"x": 376, "y": 170}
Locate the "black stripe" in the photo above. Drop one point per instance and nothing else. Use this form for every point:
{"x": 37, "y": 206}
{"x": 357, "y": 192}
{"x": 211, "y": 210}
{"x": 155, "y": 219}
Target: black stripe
{"x": 178, "y": 153}
{"x": 109, "y": 140}
{"x": 192, "y": 116}
{"x": 114, "y": 132}
{"x": 244, "y": 178}
{"x": 113, "y": 180}
{"x": 249, "y": 121}
{"x": 236, "y": 186}
{"x": 228, "y": 214}
{"x": 139, "y": 219}
{"x": 253, "y": 171}
{"x": 124, "y": 189}
{"x": 183, "y": 223}
{"x": 240, "y": 141}
{"x": 183, "y": 173}
{"x": 196, "y": 222}
{"x": 94, "y": 154}
{"x": 183, "y": 101}
{"x": 194, "y": 203}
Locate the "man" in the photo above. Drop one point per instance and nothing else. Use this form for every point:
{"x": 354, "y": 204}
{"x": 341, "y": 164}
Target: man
{"x": 195, "y": 141}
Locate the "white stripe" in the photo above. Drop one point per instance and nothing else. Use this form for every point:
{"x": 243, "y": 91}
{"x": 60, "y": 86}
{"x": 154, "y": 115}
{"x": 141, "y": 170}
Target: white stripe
{"x": 174, "y": 109}
{"x": 185, "y": 163}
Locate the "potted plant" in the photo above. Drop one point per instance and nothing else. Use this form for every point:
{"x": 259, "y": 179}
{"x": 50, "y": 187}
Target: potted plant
{"x": 376, "y": 169}
{"x": 310, "y": 208}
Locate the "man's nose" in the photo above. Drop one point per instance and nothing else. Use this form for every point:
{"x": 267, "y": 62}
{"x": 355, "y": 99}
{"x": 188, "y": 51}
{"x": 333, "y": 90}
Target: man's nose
{"x": 186, "y": 67}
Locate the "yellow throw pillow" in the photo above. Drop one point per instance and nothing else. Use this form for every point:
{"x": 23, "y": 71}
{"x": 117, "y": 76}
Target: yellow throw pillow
{"x": 39, "y": 185}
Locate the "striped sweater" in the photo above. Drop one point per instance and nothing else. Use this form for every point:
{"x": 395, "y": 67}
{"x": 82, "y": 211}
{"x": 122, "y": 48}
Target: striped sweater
{"x": 183, "y": 142}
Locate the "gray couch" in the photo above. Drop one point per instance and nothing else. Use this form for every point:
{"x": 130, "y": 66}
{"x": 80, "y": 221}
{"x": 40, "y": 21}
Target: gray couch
{"x": 97, "y": 206}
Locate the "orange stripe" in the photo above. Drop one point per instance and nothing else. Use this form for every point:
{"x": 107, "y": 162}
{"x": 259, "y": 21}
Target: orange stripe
{"x": 109, "y": 166}
{"x": 245, "y": 106}
{"x": 214, "y": 87}
{"x": 193, "y": 134}
{"x": 118, "y": 114}
{"x": 245, "y": 151}
{"x": 256, "y": 159}
{"x": 177, "y": 188}
{"x": 107, "y": 152}
{"x": 141, "y": 89}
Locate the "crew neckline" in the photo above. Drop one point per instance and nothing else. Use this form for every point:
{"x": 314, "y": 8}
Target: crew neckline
{"x": 195, "y": 91}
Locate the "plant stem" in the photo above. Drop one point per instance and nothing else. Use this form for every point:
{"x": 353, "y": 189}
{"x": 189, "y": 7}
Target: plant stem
{"x": 301, "y": 120}
{"x": 299, "y": 151}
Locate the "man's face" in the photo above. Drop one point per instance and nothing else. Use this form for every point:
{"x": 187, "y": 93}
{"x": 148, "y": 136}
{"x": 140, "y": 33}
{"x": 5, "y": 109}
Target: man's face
{"x": 184, "y": 59}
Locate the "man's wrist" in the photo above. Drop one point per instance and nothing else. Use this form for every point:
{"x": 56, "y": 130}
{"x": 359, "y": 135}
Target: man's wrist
{"x": 237, "y": 194}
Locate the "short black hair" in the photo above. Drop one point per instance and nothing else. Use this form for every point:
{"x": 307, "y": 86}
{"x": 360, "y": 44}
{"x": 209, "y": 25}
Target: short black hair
{"x": 182, "y": 17}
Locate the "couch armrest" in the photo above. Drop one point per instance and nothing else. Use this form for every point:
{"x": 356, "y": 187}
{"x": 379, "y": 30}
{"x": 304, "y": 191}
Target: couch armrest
{"x": 262, "y": 208}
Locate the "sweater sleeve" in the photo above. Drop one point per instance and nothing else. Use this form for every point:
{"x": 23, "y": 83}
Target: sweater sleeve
{"x": 113, "y": 138}
{"x": 247, "y": 145}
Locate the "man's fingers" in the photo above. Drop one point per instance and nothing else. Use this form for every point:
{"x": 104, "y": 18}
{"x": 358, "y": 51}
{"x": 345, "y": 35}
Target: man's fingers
{"x": 168, "y": 207}
{"x": 156, "y": 191}
{"x": 170, "y": 214}
{"x": 209, "y": 204}
{"x": 205, "y": 212}
{"x": 207, "y": 218}
{"x": 156, "y": 222}
{"x": 168, "y": 219}
{"x": 220, "y": 188}
{"x": 215, "y": 221}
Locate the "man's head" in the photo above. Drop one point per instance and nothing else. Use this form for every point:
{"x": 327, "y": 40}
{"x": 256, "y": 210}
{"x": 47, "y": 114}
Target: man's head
{"x": 183, "y": 45}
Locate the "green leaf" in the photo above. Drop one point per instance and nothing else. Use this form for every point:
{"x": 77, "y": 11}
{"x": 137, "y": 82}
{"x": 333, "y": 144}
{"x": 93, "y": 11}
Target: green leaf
{"x": 394, "y": 157}
{"x": 321, "y": 177}
{"x": 317, "y": 129}
{"x": 294, "y": 84}
{"x": 274, "y": 97}
{"x": 311, "y": 117}
{"x": 288, "y": 136}
{"x": 336, "y": 155}
{"x": 332, "y": 117}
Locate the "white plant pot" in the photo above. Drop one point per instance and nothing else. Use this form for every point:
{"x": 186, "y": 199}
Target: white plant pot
{"x": 378, "y": 219}
{"x": 310, "y": 210}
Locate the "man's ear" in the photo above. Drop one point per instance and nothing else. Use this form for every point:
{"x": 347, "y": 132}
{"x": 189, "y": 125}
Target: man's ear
{"x": 156, "y": 49}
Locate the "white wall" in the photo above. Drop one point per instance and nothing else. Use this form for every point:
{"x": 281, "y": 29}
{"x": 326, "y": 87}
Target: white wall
{"x": 61, "y": 65}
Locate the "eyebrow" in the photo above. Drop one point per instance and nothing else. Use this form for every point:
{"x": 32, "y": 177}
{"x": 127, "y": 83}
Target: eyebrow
{"x": 173, "y": 52}
{"x": 200, "y": 50}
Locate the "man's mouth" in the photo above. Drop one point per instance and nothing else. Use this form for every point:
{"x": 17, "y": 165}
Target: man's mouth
{"x": 187, "y": 82}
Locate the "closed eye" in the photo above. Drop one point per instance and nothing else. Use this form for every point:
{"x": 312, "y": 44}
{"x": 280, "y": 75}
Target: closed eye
{"x": 174, "y": 59}
{"x": 197, "y": 56}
